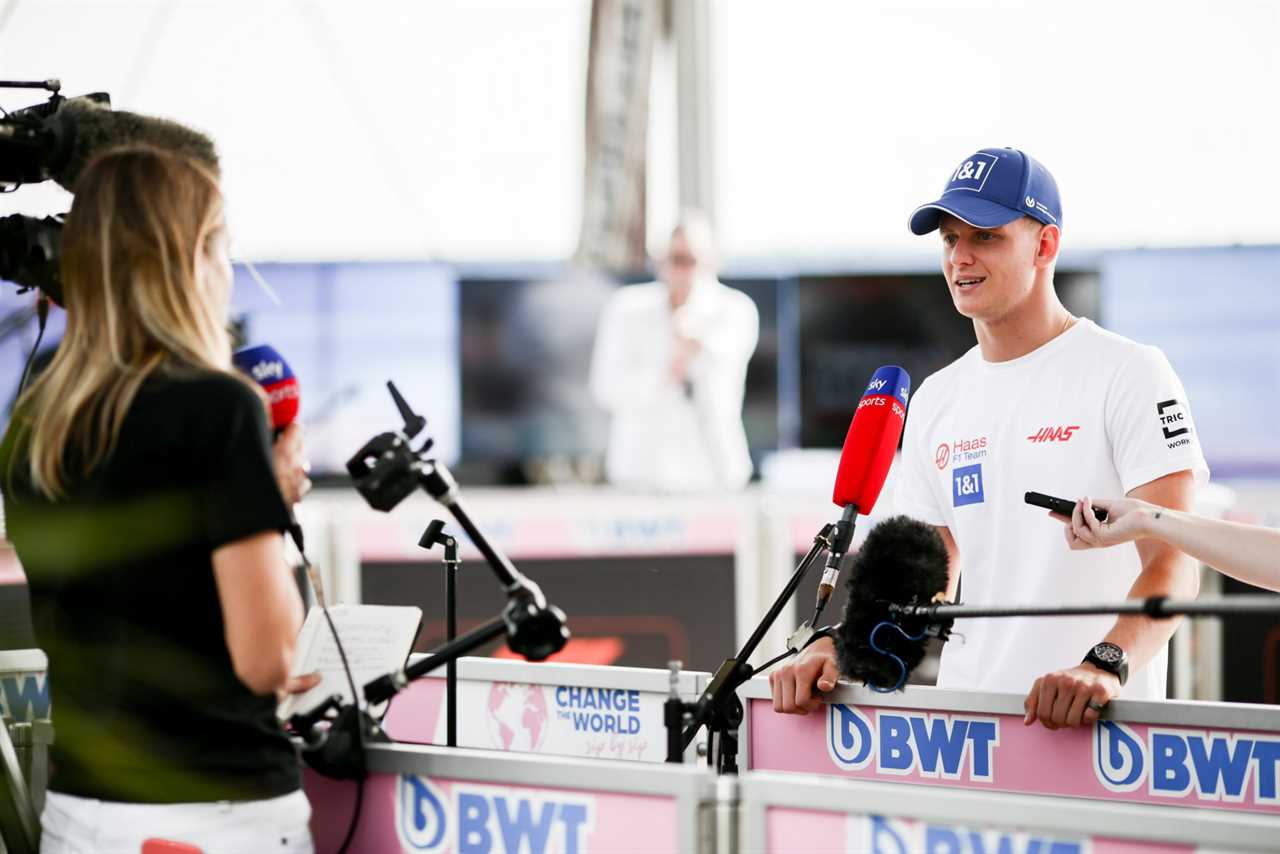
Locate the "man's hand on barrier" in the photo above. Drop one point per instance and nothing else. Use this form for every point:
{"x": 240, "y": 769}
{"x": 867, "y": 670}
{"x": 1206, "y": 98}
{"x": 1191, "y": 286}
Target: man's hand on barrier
{"x": 793, "y": 684}
{"x": 1070, "y": 698}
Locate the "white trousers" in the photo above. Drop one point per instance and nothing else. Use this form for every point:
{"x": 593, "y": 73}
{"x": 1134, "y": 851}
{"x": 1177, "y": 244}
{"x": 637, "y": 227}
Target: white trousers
{"x": 73, "y": 825}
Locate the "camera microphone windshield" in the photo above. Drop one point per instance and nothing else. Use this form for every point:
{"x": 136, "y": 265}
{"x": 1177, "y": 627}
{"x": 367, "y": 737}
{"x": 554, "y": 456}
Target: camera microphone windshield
{"x": 902, "y": 561}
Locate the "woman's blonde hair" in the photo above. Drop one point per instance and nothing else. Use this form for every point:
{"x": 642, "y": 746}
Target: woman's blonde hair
{"x": 140, "y": 218}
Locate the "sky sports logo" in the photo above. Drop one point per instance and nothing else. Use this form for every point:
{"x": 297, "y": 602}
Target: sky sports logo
{"x": 890, "y": 381}
{"x": 483, "y": 819}
{"x": 267, "y": 369}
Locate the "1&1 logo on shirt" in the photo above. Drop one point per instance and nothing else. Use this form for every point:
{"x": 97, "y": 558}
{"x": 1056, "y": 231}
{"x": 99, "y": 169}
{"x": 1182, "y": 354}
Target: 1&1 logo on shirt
{"x": 966, "y": 485}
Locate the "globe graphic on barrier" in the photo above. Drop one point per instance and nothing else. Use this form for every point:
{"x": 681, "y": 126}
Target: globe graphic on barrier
{"x": 517, "y": 716}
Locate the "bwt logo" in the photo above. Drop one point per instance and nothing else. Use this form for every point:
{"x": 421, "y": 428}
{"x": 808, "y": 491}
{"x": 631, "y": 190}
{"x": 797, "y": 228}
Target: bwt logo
{"x": 1215, "y": 766}
{"x": 268, "y": 369}
{"x": 25, "y": 697}
{"x": 941, "y": 746}
{"x": 879, "y": 835}
{"x": 484, "y": 819}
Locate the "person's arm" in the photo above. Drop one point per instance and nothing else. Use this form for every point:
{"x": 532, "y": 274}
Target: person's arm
{"x": 261, "y": 609}
{"x": 1062, "y": 698}
{"x": 816, "y": 666}
{"x": 953, "y": 561}
{"x": 1247, "y": 553}
{"x": 251, "y": 485}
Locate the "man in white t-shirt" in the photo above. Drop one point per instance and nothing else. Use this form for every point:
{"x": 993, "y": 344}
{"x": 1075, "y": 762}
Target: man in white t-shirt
{"x": 670, "y": 366}
{"x": 1045, "y": 402}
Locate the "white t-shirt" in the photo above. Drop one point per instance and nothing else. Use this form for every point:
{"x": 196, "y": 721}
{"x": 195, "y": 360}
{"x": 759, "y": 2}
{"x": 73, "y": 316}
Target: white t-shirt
{"x": 1089, "y": 413}
{"x": 664, "y": 434}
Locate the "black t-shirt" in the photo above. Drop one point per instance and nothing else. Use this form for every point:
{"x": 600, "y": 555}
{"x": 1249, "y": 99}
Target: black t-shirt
{"x": 146, "y": 705}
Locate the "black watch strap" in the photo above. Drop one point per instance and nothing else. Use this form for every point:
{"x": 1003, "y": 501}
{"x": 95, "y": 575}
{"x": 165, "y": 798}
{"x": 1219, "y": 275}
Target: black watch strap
{"x": 1111, "y": 658}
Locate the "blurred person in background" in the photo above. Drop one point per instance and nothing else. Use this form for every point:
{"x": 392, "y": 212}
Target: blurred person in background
{"x": 1248, "y": 553}
{"x": 146, "y": 502}
{"x": 670, "y": 366}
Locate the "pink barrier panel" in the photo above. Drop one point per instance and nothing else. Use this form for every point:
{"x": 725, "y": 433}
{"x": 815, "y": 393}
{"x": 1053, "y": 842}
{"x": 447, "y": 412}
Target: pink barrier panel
{"x": 413, "y": 813}
{"x": 793, "y": 831}
{"x": 416, "y": 713}
{"x": 1113, "y": 761}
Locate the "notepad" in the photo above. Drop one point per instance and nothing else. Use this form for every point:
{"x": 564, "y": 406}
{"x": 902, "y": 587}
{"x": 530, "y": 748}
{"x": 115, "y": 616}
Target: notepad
{"x": 376, "y": 638}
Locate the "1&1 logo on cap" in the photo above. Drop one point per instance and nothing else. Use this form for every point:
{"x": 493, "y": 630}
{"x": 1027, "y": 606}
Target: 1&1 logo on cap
{"x": 973, "y": 173}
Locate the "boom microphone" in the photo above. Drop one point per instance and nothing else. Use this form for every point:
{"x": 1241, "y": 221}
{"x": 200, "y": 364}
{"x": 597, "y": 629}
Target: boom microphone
{"x": 58, "y": 138}
{"x": 902, "y": 561}
{"x": 84, "y": 128}
{"x": 896, "y": 589}
{"x": 864, "y": 464}
{"x": 270, "y": 371}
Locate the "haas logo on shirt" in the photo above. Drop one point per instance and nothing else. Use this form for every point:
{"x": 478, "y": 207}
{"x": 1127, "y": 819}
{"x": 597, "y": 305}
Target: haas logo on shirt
{"x": 1054, "y": 434}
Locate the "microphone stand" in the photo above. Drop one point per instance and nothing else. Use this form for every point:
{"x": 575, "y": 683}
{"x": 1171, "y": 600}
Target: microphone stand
{"x": 388, "y": 685}
{"x": 534, "y": 629}
{"x": 386, "y": 471}
{"x": 719, "y": 709}
{"x": 432, "y": 536}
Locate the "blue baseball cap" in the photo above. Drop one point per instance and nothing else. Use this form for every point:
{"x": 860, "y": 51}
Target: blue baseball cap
{"x": 991, "y": 188}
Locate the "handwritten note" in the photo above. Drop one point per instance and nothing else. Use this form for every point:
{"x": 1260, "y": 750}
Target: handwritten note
{"x": 377, "y": 639}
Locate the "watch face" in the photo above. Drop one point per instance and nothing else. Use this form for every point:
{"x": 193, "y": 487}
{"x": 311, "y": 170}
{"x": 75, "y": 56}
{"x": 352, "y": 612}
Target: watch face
{"x": 1108, "y": 652}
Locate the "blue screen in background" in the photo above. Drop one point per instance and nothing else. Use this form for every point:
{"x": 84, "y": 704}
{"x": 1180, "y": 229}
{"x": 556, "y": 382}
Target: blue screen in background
{"x": 346, "y": 329}
{"x": 1216, "y": 315}
{"x": 18, "y": 335}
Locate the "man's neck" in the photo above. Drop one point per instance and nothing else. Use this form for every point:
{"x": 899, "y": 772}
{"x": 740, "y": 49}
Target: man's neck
{"x": 1029, "y": 327}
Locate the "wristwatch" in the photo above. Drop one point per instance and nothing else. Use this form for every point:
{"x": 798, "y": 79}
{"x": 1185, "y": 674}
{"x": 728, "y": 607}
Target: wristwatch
{"x": 1111, "y": 658}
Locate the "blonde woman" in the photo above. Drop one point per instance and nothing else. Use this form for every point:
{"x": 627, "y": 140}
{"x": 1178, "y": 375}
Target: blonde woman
{"x": 146, "y": 502}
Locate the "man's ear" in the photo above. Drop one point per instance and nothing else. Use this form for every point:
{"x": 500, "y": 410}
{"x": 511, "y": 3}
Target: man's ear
{"x": 1049, "y": 244}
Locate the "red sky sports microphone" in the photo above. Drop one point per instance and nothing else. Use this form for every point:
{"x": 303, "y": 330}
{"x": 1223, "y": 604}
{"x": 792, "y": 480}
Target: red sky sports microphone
{"x": 269, "y": 370}
{"x": 864, "y": 463}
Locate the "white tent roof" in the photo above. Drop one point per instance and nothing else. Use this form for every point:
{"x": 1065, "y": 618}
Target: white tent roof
{"x": 453, "y": 128}
{"x": 374, "y": 129}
